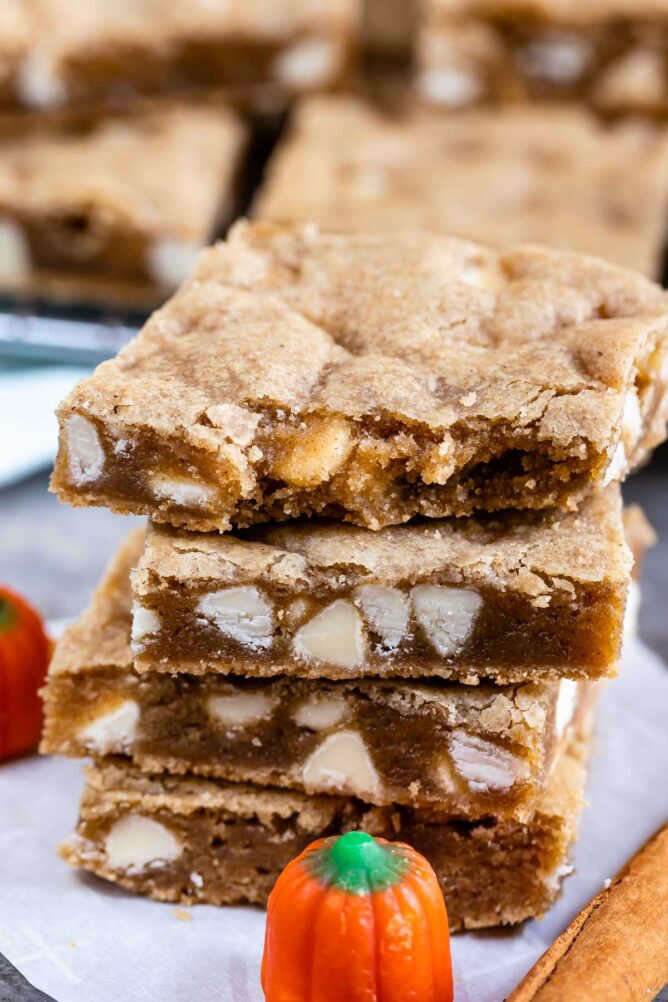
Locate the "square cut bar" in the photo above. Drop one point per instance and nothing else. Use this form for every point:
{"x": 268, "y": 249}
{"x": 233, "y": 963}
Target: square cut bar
{"x": 560, "y": 176}
{"x": 117, "y": 210}
{"x": 473, "y": 751}
{"x": 372, "y": 378}
{"x": 514, "y": 597}
{"x": 258, "y": 52}
{"x": 192, "y": 840}
{"x": 610, "y": 54}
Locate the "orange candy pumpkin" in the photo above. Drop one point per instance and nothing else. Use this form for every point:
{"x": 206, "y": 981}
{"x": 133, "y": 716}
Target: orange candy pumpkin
{"x": 357, "y": 919}
{"x": 24, "y": 657}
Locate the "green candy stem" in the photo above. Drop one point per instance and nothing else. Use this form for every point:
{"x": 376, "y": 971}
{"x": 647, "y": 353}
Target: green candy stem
{"x": 7, "y": 615}
{"x": 356, "y": 863}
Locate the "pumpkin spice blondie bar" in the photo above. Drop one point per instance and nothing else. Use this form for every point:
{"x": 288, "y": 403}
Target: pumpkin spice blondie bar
{"x": 371, "y": 379}
{"x": 258, "y": 52}
{"x": 192, "y": 840}
{"x": 610, "y": 54}
{"x": 513, "y": 598}
{"x": 561, "y": 177}
{"x": 472, "y": 750}
{"x": 115, "y": 210}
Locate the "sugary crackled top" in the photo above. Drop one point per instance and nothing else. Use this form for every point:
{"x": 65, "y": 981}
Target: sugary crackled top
{"x": 561, "y": 177}
{"x": 64, "y": 28}
{"x": 118, "y": 785}
{"x": 427, "y": 332}
{"x": 565, "y": 11}
{"x": 532, "y": 553}
{"x": 163, "y": 170}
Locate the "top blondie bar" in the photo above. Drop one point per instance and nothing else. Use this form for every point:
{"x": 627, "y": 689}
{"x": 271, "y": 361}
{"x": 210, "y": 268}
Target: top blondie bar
{"x": 258, "y": 50}
{"x": 610, "y": 54}
{"x": 372, "y": 378}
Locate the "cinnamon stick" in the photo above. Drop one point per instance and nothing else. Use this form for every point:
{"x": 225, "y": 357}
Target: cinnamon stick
{"x": 617, "y": 947}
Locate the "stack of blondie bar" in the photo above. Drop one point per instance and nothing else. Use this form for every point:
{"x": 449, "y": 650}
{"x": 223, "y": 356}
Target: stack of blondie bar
{"x": 384, "y": 568}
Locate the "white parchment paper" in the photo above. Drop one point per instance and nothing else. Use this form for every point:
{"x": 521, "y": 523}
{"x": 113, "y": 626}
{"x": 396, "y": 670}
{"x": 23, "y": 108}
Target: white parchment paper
{"x": 81, "y": 940}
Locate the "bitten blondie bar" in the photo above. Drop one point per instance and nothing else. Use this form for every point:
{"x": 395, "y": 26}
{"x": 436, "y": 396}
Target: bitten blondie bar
{"x": 511, "y": 598}
{"x": 471, "y": 750}
{"x": 194, "y": 840}
{"x": 259, "y": 52}
{"x": 560, "y": 176}
{"x": 119, "y": 210}
{"x": 612, "y": 54}
{"x": 372, "y": 378}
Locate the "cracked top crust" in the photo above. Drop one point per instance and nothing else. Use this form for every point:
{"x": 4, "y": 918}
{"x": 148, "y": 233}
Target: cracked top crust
{"x": 431, "y": 329}
{"x": 563, "y": 11}
{"x": 560, "y": 176}
{"x": 532, "y": 553}
{"x": 140, "y": 168}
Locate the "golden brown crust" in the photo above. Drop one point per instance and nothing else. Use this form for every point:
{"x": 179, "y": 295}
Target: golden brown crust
{"x": 560, "y": 176}
{"x": 406, "y": 367}
{"x": 140, "y": 169}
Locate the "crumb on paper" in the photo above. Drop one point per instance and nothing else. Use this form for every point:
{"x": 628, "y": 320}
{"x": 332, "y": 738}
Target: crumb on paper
{"x": 72, "y": 945}
{"x": 182, "y": 915}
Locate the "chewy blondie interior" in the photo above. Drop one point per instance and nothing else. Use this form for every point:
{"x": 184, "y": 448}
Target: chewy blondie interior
{"x": 371, "y": 379}
{"x": 610, "y": 54}
{"x": 117, "y": 208}
{"x": 549, "y": 174}
{"x": 471, "y": 750}
{"x": 511, "y": 597}
{"x": 193, "y": 840}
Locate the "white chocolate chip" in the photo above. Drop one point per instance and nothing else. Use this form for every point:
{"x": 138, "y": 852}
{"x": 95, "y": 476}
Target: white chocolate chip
{"x": 617, "y": 467}
{"x": 113, "y": 732}
{"x": 14, "y": 252}
{"x": 136, "y": 842}
{"x": 632, "y": 423}
{"x": 240, "y": 709}
{"x": 170, "y": 262}
{"x": 342, "y": 764}
{"x": 447, "y": 615}
{"x": 335, "y": 635}
{"x": 311, "y": 62}
{"x": 453, "y": 86}
{"x": 484, "y": 765}
{"x": 145, "y": 623}
{"x": 632, "y": 612}
{"x": 320, "y": 713}
{"x": 566, "y": 703}
{"x": 84, "y": 450}
{"x": 243, "y": 614}
{"x": 387, "y": 612}
{"x": 181, "y": 490}
{"x": 197, "y": 880}
{"x": 561, "y": 59}
{"x": 315, "y": 454}
{"x": 37, "y": 82}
